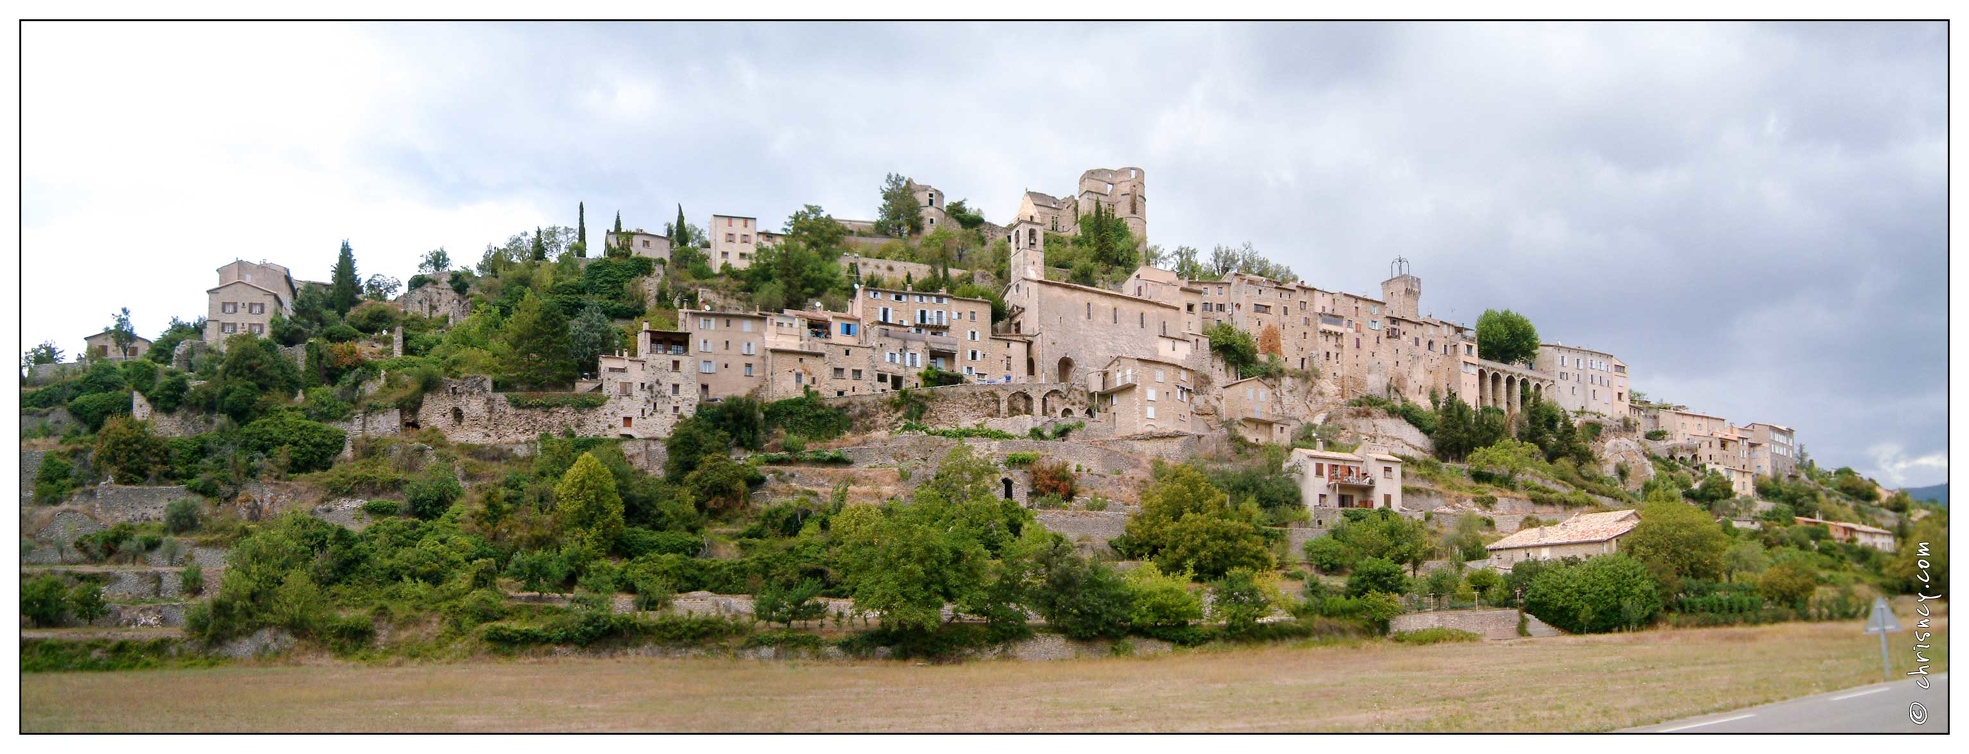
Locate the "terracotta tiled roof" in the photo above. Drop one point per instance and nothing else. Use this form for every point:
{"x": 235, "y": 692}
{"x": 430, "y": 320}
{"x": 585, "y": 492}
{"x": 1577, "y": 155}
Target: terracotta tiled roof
{"x": 1585, "y": 527}
{"x": 1846, "y": 524}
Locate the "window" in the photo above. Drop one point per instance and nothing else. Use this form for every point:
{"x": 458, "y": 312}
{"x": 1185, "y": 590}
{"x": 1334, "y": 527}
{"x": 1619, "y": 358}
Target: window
{"x": 256, "y": 328}
{"x": 840, "y": 372}
{"x": 703, "y": 323}
{"x": 746, "y": 238}
{"x": 704, "y": 344}
{"x": 1151, "y": 395}
{"x": 748, "y": 369}
{"x": 728, "y": 238}
{"x": 1319, "y": 470}
{"x": 890, "y": 357}
{"x": 974, "y": 315}
{"x": 228, "y": 328}
{"x": 1150, "y": 412}
{"x": 748, "y": 348}
{"x": 622, "y": 388}
{"x": 706, "y": 367}
{"x": 675, "y": 366}
{"x": 673, "y": 391}
{"x": 799, "y": 378}
{"x": 975, "y": 356}
{"x": 228, "y": 307}
{"x": 857, "y": 374}
{"x": 256, "y": 308}
{"x": 847, "y": 328}
{"x": 1387, "y": 472}
{"x": 915, "y": 360}
{"x": 1158, "y": 375}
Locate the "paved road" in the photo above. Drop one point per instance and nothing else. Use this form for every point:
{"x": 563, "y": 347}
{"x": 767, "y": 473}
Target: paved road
{"x": 1880, "y": 708}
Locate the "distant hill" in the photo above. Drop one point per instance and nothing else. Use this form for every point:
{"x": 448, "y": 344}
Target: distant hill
{"x": 1937, "y": 493}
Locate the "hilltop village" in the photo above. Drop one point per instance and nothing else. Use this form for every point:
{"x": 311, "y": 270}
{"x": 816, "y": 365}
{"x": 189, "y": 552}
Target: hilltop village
{"x": 725, "y": 419}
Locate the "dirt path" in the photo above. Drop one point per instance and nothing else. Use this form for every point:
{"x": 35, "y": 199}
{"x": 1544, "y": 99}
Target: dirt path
{"x": 1567, "y": 683}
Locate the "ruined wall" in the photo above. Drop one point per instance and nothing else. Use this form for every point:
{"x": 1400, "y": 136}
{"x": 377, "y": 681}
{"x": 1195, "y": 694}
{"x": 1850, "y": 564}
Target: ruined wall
{"x": 30, "y": 465}
{"x": 57, "y": 420}
{"x": 1094, "y": 527}
{"x": 437, "y": 300}
{"x": 1012, "y": 407}
{"x": 113, "y": 503}
{"x": 179, "y": 424}
{"x": 469, "y": 411}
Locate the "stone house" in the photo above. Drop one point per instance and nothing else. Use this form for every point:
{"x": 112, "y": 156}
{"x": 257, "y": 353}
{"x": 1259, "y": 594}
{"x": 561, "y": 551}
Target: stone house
{"x": 1258, "y": 409}
{"x": 1140, "y": 396}
{"x": 1860, "y": 534}
{"x": 246, "y": 300}
{"x": 734, "y": 241}
{"x": 1582, "y": 536}
{"x": 1779, "y": 450}
{"x": 1076, "y": 328}
{"x": 641, "y": 243}
{"x": 1367, "y": 477}
{"x": 913, "y": 330}
{"x": 102, "y": 347}
{"x": 650, "y": 391}
{"x": 1119, "y": 191}
{"x": 1588, "y": 381}
{"x": 729, "y": 349}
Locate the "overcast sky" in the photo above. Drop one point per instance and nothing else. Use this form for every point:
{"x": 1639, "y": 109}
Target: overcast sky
{"x": 1751, "y": 216}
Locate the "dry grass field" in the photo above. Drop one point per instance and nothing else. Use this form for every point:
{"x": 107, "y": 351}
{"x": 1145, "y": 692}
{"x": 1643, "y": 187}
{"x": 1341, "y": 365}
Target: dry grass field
{"x": 1587, "y": 683}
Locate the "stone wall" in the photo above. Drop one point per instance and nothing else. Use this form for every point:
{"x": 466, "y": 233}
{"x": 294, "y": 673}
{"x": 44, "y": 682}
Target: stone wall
{"x": 115, "y": 503}
{"x": 1376, "y": 427}
{"x": 57, "y": 420}
{"x": 179, "y": 424}
{"x": 468, "y": 410}
{"x": 30, "y": 465}
{"x": 1013, "y": 407}
{"x": 43, "y": 374}
{"x": 1493, "y": 624}
{"x": 1077, "y": 526}
{"x": 436, "y": 299}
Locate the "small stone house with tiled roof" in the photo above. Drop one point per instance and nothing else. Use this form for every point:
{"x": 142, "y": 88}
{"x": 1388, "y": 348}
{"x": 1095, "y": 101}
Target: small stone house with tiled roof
{"x": 1582, "y": 536}
{"x": 1847, "y": 531}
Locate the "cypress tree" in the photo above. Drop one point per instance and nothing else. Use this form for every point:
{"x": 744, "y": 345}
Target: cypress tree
{"x": 344, "y": 289}
{"x": 539, "y": 246}
{"x": 680, "y": 234}
{"x": 618, "y": 221}
{"x": 581, "y": 229}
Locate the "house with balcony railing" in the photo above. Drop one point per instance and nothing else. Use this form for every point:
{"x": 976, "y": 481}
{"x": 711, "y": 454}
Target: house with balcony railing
{"x": 1367, "y": 477}
{"x": 1142, "y": 395}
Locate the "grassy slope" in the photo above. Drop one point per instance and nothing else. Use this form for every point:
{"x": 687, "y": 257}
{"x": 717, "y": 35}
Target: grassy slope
{"x": 1569, "y": 683}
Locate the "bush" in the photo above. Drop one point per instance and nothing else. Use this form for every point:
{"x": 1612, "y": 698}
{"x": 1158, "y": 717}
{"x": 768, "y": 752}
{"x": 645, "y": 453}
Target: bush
{"x": 637, "y": 542}
{"x": 1161, "y": 601}
{"x": 191, "y": 581}
{"x": 1656, "y": 434}
{"x": 1239, "y": 603}
{"x": 310, "y": 446}
{"x": 44, "y": 600}
{"x": 55, "y": 480}
{"x": 96, "y": 408}
{"x": 1789, "y": 583}
{"x": 431, "y": 495}
{"x": 556, "y": 400}
{"x": 1022, "y": 458}
{"x": 1434, "y": 636}
{"x": 181, "y": 516}
{"x": 341, "y": 333}
{"x": 1053, "y": 480}
{"x": 1376, "y": 575}
{"x": 1600, "y": 594}
{"x": 382, "y": 508}
{"x": 807, "y": 417}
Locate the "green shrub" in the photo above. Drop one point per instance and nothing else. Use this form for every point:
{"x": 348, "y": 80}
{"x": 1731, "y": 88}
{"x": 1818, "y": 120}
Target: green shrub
{"x": 44, "y": 600}
{"x": 191, "y": 581}
{"x": 1376, "y": 575}
{"x": 1022, "y": 458}
{"x": 556, "y": 400}
{"x": 1239, "y": 603}
{"x": 958, "y": 433}
{"x": 55, "y": 480}
{"x": 341, "y": 333}
{"x": 1436, "y": 635}
{"x": 584, "y": 628}
{"x": 382, "y": 508}
{"x": 181, "y": 516}
{"x": 431, "y": 495}
{"x": 806, "y": 417}
{"x": 1657, "y": 434}
{"x": 96, "y": 408}
{"x": 636, "y": 542}
{"x": 310, "y": 446}
{"x": 1605, "y": 593}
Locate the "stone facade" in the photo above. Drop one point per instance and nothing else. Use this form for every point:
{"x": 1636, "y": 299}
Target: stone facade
{"x": 1363, "y": 478}
{"x": 469, "y": 411}
{"x": 734, "y": 241}
{"x": 640, "y": 243}
{"x": 102, "y": 347}
{"x": 1118, "y": 191}
{"x": 1143, "y": 396}
{"x": 728, "y": 350}
{"x": 1588, "y": 381}
{"x": 246, "y": 300}
{"x": 437, "y": 300}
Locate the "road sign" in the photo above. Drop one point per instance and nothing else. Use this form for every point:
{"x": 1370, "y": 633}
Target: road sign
{"x": 1882, "y": 622}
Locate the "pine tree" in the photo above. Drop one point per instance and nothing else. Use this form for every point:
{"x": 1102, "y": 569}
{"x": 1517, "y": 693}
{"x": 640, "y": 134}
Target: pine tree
{"x": 538, "y": 337}
{"x": 581, "y": 229}
{"x": 344, "y": 287}
{"x": 539, "y": 246}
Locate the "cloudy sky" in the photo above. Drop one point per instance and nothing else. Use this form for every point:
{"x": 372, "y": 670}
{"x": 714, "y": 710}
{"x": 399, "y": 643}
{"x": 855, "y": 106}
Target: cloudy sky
{"x": 1751, "y": 216}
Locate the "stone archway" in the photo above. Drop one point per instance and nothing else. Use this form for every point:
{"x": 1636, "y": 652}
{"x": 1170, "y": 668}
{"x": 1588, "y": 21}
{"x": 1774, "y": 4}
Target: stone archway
{"x": 1053, "y": 402}
{"x": 1066, "y": 369}
{"x": 457, "y": 416}
{"x": 1007, "y": 482}
{"x": 1018, "y": 404}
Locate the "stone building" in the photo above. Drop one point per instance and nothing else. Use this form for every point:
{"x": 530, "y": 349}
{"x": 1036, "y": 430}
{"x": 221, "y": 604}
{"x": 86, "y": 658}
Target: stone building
{"x": 735, "y": 241}
{"x": 914, "y": 330}
{"x": 1258, "y": 408}
{"x": 246, "y": 300}
{"x": 1582, "y": 536}
{"x": 1140, "y": 396}
{"x": 891, "y": 273}
{"x": 1119, "y": 191}
{"x": 1780, "y": 450}
{"x": 102, "y": 347}
{"x": 650, "y": 391}
{"x": 1076, "y": 327}
{"x": 729, "y": 349}
{"x": 1367, "y": 477}
{"x": 1860, "y": 534}
{"x": 1588, "y": 381}
{"x": 642, "y": 243}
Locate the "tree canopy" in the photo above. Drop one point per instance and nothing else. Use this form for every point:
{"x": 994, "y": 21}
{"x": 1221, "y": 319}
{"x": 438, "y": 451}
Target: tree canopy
{"x": 1506, "y": 336}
